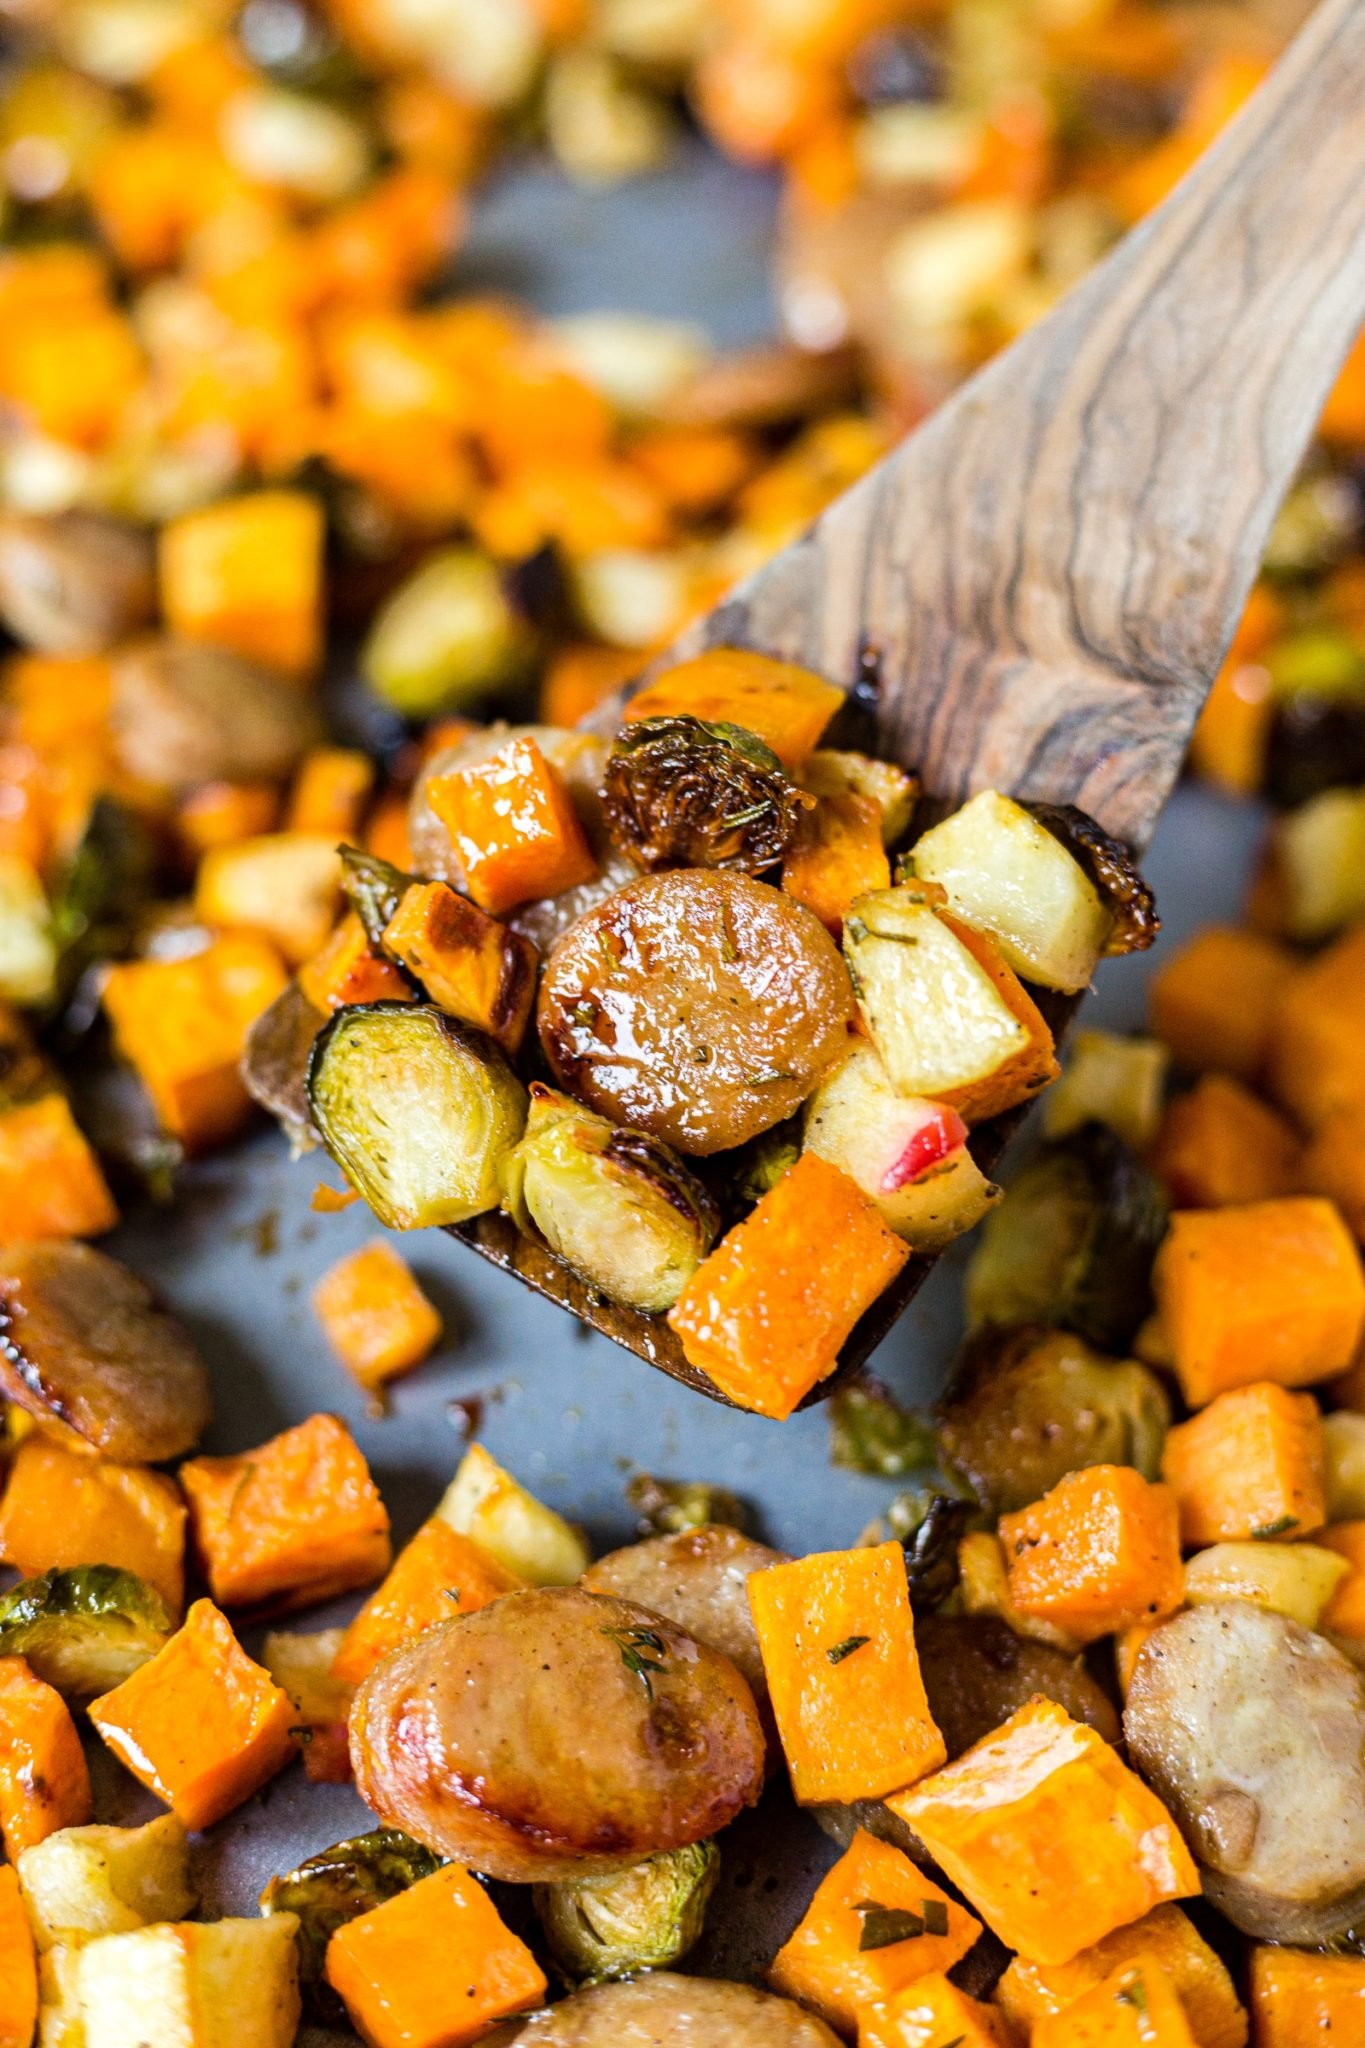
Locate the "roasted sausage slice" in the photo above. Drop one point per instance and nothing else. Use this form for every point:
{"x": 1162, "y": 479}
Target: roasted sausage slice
{"x": 697, "y": 1579}
{"x": 697, "y": 1005}
{"x": 1251, "y": 1729}
{"x": 76, "y": 583}
{"x": 185, "y": 714}
{"x": 85, "y": 1349}
{"x": 556, "y": 1734}
{"x": 658, "y": 2008}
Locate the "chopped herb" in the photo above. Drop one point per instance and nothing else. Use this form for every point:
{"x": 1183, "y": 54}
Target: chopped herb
{"x": 1268, "y": 1530}
{"x": 935, "y": 1916}
{"x": 884, "y": 1926}
{"x": 452, "y": 1593}
{"x": 633, "y": 1643}
{"x": 846, "y": 1648}
{"x": 584, "y": 1013}
{"x": 302, "y": 1734}
{"x": 1134, "y": 1994}
{"x": 768, "y": 1074}
{"x": 750, "y": 816}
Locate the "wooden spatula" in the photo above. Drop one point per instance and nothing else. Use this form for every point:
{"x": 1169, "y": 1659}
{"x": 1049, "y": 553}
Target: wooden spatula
{"x": 1050, "y": 569}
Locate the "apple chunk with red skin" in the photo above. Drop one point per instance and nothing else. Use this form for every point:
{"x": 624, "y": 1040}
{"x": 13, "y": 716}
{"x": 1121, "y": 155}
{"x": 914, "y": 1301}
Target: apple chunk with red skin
{"x": 908, "y": 1154}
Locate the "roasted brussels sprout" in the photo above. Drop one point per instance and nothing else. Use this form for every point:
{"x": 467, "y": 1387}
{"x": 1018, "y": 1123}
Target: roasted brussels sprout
{"x": 101, "y": 892}
{"x": 643, "y": 1918}
{"x": 275, "y": 1063}
{"x": 871, "y": 1432}
{"x": 337, "y": 1885}
{"x": 668, "y": 1507}
{"x": 374, "y": 888}
{"x": 84, "y": 1629}
{"x": 417, "y": 1110}
{"x": 1111, "y": 868}
{"x": 1072, "y": 1243}
{"x": 681, "y": 792}
{"x": 1025, "y": 1407}
{"x": 938, "y": 1523}
{"x": 76, "y": 583}
{"x": 28, "y": 949}
{"x": 1315, "y": 743}
{"x": 446, "y": 638}
{"x": 765, "y": 1160}
{"x": 617, "y": 1206}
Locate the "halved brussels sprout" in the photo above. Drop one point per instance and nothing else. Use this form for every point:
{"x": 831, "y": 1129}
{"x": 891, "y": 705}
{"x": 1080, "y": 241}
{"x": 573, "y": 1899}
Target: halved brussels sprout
{"x": 618, "y": 1206}
{"x": 446, "y": 638}
{"x": 643, "y": 1918}
{"x": 871, "y": 1432}
{"x": 84, "y": 1630}
{"x": 337, "y": 1885}
{"x": 1025, "y": 1407}
{"x": 1072, "y": 1243}
{"x": 684, "y": 793}
{"x": 669, "y": 1507}
{"x": 417, "y": 1110}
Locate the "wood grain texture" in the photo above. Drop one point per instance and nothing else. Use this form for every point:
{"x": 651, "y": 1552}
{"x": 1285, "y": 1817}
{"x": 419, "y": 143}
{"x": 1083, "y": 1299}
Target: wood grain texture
{"x": 1050, "y": 569}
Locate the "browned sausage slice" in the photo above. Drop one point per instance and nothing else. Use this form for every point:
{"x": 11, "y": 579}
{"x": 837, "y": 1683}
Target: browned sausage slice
{"x": 185, "y": 714}
{"x": 76, "y": 583}
{"x": 556, "y": 1734}
{"x": 85, "y": 1349}
{"x": 1251, "y": 1730}
{"x": 682, "y": 2012}
{"x": 698, "y": 1005}
{"x": 697, "y": 1579}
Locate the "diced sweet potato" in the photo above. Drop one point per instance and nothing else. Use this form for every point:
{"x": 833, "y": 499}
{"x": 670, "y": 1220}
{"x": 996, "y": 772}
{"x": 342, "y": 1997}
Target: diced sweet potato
{"x": 246, "y": 574}
{"x": 200, "y": 1725}
{"x": 1313, "y": 1060}
{"x": 285, "y": 886}
{"x": 347, "y": 969}
{"x": 932, "y": 2013}
{"x": 293, "y": 1522}
{"x": 765, "y": 1315}
{"x": 51, "y": 1183}
{"x": 183, "y": 1025}
{"x": 330, "y": 792}
{"x": 513, "y": 826}
{"x": 1136, "y": 2006}
{"x": 1219, "y": 1144}
{"x": 64, "y": 1508}
{"x": 376, "y": 1317}
{"x": 1029, "y": 1992}
{"x": 1049, "y": 1835}
{"x": 1344, "y": 1614}
{"x": 1269, "y": 1291}
{"x": 44, "y": 1784}
{"x": 839, "y": 857}
{"x": 848, "y": 1952}
{"x": 1249, "y": 1465}
{"x": 301, "y": 1665}
{"x": 433, "y": 1967}
{"x": 217, "y": 813}
{"x": 1100, "y": 1551}
{"x": 18, "y": 1967}
{"x": 788, "y": 707}
{"x": 1298, "y": 1999}
{"x": 1334, "y": 1166}
{"x": 1214, "y": 1001}
{"x": 838, "y": 1644}
{"x": 437, "y": 1575}
{"x": 469, "y": 964}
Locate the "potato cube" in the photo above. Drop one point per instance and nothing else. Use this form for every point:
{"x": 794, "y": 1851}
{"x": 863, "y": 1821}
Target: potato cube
{"x": 86, "y": 1881}
{"x": 224, "y": 1984}
{"x": 285, "y": 886}
{"x": 525, "y": 1537}
{"x": 1297, "y": 1579}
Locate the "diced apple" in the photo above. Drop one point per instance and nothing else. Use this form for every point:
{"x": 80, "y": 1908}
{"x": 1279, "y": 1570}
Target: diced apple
{"x": 495, "y": 1511}
{"x": 1317, "y": 863}
{"x": 829, "y": 772}
{"x": 225, "y": 1984}
{"x": 948, "y": 1017}
{"x": 908, "y": 1154}
{"x": 1006, "y": 874}
{"x": 1120, "y": 1082}
{"x": 1297, "y": 1579}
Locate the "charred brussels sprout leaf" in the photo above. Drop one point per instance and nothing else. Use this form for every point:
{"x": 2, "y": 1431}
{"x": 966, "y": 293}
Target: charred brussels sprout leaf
{"x": 684, "y": 793}
{"x": 669, "y": 1507}
{"x": 374, "y": 888}
{"x": 1112, "y": 869}
{"x": 1072, "y": 1243}
{"x": 618, "y": 1206}
{"x": 643, "y": 1918}
{"x": 418, "y": 1111}
{"x": 100, "y": 895}
{"x": 763, "y": 1162}
{"x": 337, "y": 1885}
{"x": 930, "y": 1547}
{"x": 84, "y": 1630}
{"x": 871, "y": 1432}
{"x": 1025, "y": 1407}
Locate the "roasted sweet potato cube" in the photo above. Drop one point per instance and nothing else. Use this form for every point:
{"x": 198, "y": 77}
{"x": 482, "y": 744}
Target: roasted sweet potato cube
{"x": 1215, "y": 999}
{"x": 291, "y": 1523}
{"x": 1219, "y": 1144}
{"x": 438, "y": 1574}
{"x": 468, "y": 963}
{"x": 246, "y": 574}
{"x": 787, "y": 706}
{"x": 64, "y": 1508}
{"x": 1030, "y": 1992}
{"x": 932, "y": 2013}
{"x": 377, "y": 1319}
{"x": 845, "y": 1953}
{"x": 44, "y": 1784}
{"x": 513, "y": 827}
{"x": 1251, "y": 1464}
{"x": 433, "y": 1967}
{"x": 347, "y": 969}
{"x": 838, "y": 857}
{"x": 1100, "y": 1551}
{"x": 18, "y": 1967}
{"x": 1049, "y": 1835}
{"x": 838, "y": 1644}
{"x": 51, "y": 1183}
{"x": 200, "y": 1725}
{"x": 1268, "y": 1291}
{"x": 1298, "y": 1999}
{"x": 330, "y": 792}
{"x": 1344, "y": 1614}
{"x": 1136, "y": 2006}
{"x": 765, "y": 1315}
{"x": 1334, "y": 1166}
{"x": 284, "y": 886}
{"x": 1313, "y": 1062}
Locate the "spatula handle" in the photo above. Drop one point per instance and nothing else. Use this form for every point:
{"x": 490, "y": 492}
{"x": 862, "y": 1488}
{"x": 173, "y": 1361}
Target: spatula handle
{"x": 1052, "y": 567}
